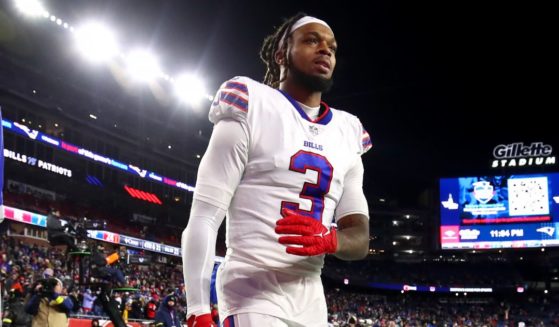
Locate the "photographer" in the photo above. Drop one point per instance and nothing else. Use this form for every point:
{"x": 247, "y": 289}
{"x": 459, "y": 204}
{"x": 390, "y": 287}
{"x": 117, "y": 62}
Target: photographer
{"x": 47, "y": 306}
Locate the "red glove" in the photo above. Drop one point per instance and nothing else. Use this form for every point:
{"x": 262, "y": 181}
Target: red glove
{"x": 312, "y": 238}
{"x": 204, "y": 320}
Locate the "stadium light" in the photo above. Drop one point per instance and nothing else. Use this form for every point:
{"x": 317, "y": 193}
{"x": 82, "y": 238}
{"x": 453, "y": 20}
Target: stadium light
{"x": 142, "y": 66}
{"x": 96, "y": 42}
{"x": 31, "y": 8}
{"x": 190, "y": 89}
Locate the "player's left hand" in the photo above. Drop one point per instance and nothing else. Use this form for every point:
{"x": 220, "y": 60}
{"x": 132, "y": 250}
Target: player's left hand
{"x": 308, "y": 235}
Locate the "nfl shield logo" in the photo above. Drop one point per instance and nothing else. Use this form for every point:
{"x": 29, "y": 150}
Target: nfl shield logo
{"x": 313, "y": 130}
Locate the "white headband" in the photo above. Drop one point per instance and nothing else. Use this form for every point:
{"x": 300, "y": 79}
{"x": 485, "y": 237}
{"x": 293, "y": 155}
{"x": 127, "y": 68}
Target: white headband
{"x": 302, "y": 22}
{"x": 307, "y": 20}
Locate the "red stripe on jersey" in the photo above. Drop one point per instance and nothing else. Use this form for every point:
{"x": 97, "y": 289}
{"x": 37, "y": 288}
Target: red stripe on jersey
{"x": 234, "y": 104}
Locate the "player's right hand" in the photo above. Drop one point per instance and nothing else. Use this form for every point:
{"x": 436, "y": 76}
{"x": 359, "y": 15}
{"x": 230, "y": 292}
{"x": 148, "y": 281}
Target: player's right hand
{"x": 306, "y": 236}
{"x": 204, "y": 320}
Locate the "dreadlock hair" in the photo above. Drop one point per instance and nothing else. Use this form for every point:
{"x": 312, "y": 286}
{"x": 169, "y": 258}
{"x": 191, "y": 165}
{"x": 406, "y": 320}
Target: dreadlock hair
{"x": 271, "y": 46}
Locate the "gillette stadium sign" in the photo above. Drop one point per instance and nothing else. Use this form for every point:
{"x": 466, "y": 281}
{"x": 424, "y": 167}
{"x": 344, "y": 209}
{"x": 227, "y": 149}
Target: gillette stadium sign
{"x": 521, "y": 155}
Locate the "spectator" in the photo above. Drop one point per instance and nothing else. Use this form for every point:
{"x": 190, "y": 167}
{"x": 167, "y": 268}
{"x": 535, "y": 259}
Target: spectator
{"x": 48, "y": 273}
{"x": 88, "y": 300}
{"x": 166, "y": 315}
{"x": 136, "y": 312}
{"x": 126, "y": 310}
{"x": 151, "y": 308}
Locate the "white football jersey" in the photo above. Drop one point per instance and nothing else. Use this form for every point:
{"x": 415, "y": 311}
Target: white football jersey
{"x": 293, "y": 163}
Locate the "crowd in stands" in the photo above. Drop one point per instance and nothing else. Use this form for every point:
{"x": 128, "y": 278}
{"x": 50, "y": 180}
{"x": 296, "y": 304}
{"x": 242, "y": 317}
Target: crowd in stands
{"x": 423, "y": 273}
{"x": 424, "y": 310}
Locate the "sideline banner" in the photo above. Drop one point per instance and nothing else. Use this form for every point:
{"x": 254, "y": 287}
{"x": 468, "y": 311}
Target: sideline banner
{"x": 74, "y": 322}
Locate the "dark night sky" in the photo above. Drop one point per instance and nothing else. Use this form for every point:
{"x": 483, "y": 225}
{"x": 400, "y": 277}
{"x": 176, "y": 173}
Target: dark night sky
{"x": 437, "y": 85}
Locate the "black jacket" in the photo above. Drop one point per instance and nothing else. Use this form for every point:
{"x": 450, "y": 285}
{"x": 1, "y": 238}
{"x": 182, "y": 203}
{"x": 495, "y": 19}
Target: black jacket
{"x": 17, "y": 315}
{"x": 166, "y": 316}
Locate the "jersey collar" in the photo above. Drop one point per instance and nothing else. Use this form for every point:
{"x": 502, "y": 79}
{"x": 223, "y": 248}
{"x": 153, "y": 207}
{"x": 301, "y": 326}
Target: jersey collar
{"x": 323, "y": 119}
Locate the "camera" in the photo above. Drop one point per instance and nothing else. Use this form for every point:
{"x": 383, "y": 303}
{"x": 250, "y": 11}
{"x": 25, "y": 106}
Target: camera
{"x": 62, "y": 232}
{"x": 47, "y": 287}
{"x": 93, "y": 267}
